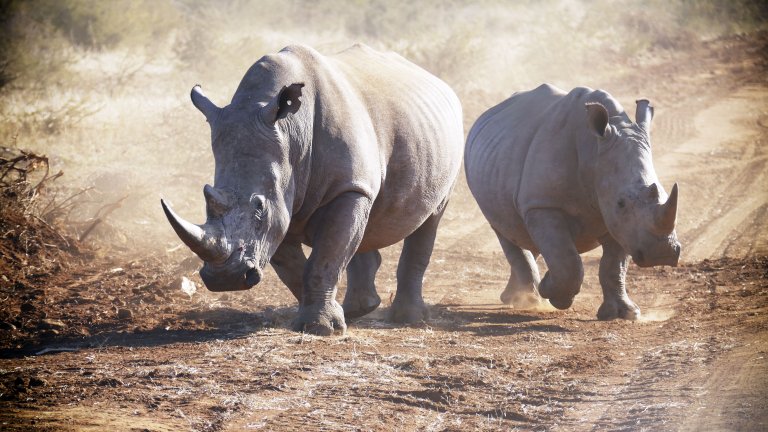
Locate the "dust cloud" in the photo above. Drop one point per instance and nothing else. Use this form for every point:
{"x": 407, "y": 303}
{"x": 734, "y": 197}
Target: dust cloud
{"x": 102, "y": 87}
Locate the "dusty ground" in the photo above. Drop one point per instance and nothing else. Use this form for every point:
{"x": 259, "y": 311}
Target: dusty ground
{"x": 114, "y": 344}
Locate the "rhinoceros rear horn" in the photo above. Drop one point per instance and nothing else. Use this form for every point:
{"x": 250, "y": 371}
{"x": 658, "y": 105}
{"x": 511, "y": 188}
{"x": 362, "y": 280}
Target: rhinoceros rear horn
{"x": 666, "y": 215}
{"x": 644, "y": 114}
{"x": 217, "y": 201}
{"x": 597, "y": 118}
{"x": 194, "y": 236}
{"x": 208, "y": 108}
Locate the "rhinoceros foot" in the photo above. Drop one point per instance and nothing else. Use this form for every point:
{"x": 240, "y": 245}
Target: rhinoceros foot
{"x": 623, "y": 308}
{"x": 521, "y": 300}
{"x": 411, "y": 312}
{"x": 321, "y": 319}
{"x": 561, "y": 302}
{"x": 360, "y": 305}
{"x": 559, "y": 298}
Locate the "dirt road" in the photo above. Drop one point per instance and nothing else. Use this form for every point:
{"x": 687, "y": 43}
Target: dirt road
{"x": 122, "y": 348}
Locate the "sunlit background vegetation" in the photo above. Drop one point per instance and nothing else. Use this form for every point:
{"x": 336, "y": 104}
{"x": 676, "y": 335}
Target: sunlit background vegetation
{"x": 101, "y": 87}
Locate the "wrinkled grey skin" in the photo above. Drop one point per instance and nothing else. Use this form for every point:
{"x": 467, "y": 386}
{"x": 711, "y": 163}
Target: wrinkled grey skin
{"x": 561, "y": 174}
{"x": 347, "y": 154}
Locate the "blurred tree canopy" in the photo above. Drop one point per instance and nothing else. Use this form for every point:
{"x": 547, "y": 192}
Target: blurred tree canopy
{"x": 37, "y": 37}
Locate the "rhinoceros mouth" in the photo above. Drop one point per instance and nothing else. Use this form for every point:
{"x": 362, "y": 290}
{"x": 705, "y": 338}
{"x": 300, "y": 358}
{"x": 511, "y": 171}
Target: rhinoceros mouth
{"x": 241, "y": 280}
{"x": 235, "y": 274}
{"x": 650, "y": 261}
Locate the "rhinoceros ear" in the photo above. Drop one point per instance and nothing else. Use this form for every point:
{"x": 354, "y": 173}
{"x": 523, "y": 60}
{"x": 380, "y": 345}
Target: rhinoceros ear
{"x": 644, "y": 114}
{"x": 286, "y": 102}
{"x": 208, "y": 108}
{"x": 597, "y": 118}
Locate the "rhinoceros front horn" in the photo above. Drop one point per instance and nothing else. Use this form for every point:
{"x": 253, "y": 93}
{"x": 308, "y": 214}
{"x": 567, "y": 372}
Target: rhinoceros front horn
{"x": 666, "y": 216}
{"x": 194, "y": 236}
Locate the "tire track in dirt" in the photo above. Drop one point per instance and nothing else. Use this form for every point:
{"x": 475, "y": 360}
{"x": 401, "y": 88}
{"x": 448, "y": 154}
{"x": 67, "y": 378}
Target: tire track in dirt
{"x": 694, "y": 370}
{"x": 752, "y": 230}
{"x": 722, "y": 176}
{"x": 664, "y": 381}
{"x": 731, "y": 398}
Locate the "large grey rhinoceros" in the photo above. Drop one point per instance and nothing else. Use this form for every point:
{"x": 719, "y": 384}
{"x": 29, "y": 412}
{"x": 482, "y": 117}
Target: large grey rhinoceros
{"x": 560, "y": 174}
{"x": 347, "y": 154}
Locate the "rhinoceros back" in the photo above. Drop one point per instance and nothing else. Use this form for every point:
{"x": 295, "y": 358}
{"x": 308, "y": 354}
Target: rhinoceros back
{"x": 379, "y": 125}
{"x": 534, "y": 151}
{"x": 417, "y": 122}
{"x": 497, "y": 149}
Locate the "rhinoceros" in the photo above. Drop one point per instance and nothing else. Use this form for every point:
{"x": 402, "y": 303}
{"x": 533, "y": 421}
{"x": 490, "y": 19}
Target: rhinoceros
{"x": 560, "y": 174}
{"x": 347, "y": 154}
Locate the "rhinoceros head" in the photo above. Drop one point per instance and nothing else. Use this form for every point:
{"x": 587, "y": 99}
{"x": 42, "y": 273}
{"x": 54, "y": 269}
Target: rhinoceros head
{"x": 249, "y": 207}
{"x": 637, "y": 211}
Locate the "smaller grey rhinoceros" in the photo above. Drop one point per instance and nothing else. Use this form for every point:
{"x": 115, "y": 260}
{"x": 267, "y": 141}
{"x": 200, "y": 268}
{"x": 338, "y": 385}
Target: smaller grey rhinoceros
{"x": 561, "y": 174}
{"x": 347, "y": 154}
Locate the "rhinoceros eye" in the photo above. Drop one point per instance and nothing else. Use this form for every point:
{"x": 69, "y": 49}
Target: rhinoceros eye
{"x": 258, "y": 211}
{"x": 257, "y": 201}
{"x": 621, "y": 204}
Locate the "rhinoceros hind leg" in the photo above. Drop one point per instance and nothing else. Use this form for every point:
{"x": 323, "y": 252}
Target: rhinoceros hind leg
{"x": 361, "y": 297}
{"x": 613, "y": 272}
{"x": 524, "y": 276}
{"x": 551, "y": 232}
{"x": 408, "y": 305}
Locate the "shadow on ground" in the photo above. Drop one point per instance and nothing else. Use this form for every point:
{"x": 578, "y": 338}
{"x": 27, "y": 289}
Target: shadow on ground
{"x": 221, "y": 324}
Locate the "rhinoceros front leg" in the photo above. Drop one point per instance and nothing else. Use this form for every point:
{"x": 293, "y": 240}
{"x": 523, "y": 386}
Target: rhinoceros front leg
{"x": 550, "y": 230}
{"x": 408, "y": 305}
{"x": 524, "y": 276}
{"x": 337, "y": 235}
{"x": 288, "y": 262}
{"x": 361, "y": 297}
{"x": 613, "y": 271}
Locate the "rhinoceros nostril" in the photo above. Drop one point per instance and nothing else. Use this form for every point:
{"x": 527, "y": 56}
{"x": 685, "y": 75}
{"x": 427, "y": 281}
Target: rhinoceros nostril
{"x": 252, "y": 277}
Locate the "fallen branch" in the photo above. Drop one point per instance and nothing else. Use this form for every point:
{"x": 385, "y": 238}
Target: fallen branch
{"x": 22, "y": 165}
{"x": 56, "y": 349}
{"x": 52, "y": 230}
{"x": 64, "y": 207}
{"x": 99, "y": 216}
